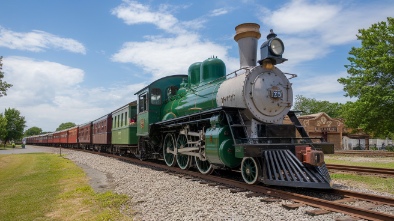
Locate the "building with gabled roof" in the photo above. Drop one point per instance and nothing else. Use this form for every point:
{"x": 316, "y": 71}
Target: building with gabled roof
{"x": 322, "y": 125}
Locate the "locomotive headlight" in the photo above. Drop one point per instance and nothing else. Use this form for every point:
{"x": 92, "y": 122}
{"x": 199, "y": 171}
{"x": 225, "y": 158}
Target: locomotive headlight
{"x": 276, "y": 46}
{"x": 272, "y": 50}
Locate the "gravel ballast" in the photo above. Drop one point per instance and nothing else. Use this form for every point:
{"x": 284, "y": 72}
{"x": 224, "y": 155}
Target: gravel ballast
{"x": 156, "y": 195}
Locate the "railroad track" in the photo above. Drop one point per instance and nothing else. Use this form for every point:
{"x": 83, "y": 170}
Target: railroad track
{"x": 341, "y": 205}
{"x": 365, "y": 153}
{"x": 371, "y": 170}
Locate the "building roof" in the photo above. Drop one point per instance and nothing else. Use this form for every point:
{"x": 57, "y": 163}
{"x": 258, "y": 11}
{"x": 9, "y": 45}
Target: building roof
{"x": 314, "y": 116}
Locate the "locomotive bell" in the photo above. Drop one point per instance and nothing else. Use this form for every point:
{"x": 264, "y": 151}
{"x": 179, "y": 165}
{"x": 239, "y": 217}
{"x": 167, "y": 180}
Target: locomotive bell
{"x": 272, "y": 49}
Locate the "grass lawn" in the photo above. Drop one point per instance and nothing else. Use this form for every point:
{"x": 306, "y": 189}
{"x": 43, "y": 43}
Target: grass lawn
{"x": 379, "y": 162}
{"x": 377, "y": 183}
{"x": 42, "y": 186}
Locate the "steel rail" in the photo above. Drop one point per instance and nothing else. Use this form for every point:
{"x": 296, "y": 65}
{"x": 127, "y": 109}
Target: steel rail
{"x": 364, "y": 196}
{"x": 361, "y": 169}
{"x": 365, "y": 152}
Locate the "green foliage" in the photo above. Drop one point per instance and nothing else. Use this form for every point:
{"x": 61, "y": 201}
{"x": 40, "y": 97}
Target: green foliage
{"x": 64, "y": 126}
{"x": 3, "y": 127}
{"x": 3, "y": 85}
{"x": 15, "y": 124}
{"x": 33, "y": 131}
{"x": 313, "y": 106}
{"x": 371, "y": 80}
{"x": 358, "y": 147}
{"x": 9, "y": 146}
{"x": 374, "y": 147}
{"x": 390, "y": 148}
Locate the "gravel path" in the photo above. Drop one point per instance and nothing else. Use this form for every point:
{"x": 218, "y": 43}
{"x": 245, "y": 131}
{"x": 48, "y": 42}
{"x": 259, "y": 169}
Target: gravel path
{"x": 160, "y": 196}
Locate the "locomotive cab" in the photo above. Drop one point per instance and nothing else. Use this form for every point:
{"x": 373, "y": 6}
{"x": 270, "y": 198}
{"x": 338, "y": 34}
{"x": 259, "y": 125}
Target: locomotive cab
{"x": 151, "y": 99}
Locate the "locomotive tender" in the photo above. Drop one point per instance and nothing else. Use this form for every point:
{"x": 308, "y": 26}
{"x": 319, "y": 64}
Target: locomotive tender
{"x": 213, "y": 121}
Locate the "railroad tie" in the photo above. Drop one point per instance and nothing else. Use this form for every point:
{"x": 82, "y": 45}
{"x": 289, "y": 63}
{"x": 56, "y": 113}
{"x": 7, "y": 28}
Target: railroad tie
{"x": 269, "y": 200}
{"x": 293, "y": 205}
{"x": 317, "y": 212}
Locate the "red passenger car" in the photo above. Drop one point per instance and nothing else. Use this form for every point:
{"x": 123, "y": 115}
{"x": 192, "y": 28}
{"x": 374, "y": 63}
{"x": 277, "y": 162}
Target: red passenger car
{"x": 85, "y": 135}
{"x": 50, "y": 139}
{"x": 72, "y": 137}
{"x": 43, "y": 139}
{"x": 56, "y": 138}
{"x": 31, "y": 140}
{"x": 63, "y": 138}
{"x": 39, "y": 138}
{"x": 102, "y": 132}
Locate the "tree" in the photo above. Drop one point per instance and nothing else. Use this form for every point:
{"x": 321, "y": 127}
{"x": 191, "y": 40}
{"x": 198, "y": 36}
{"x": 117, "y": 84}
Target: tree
{"x": 64, "y": 126}
{"x": 312, "y": 106}
{"x": 3, "y": 85}
{"x": 15, "y": 124}
{"x": 3, "y": 127}
{"x": 33, "y": 131}
{"x": 371, "y": 80}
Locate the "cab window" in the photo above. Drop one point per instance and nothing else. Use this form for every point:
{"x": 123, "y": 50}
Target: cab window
{"x": 155, "y": 96}
{"x": 142, "y": 103}
{"x": 171, "y": 91}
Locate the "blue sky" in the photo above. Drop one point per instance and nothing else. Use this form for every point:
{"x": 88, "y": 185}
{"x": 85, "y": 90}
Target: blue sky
{"x": 78, "y": 60}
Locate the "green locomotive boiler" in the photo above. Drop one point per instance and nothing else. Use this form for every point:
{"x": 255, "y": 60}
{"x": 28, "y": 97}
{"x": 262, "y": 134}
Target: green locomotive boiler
{"x": 213, "y": 121}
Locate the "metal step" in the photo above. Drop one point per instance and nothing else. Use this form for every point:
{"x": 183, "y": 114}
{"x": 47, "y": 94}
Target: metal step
{"x": 237, "y": 126}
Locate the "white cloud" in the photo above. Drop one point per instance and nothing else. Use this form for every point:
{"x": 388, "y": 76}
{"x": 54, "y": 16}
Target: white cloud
{"x": 132, "y": 12}
{"x": 49, "y": 93}
{"x": 38, "y": 41}
{"x": 34, "y": 80}
{"x": 168, "y": 56}
{"x": 298, "y": 16}
{"x": 320, "y": 86}
{"x": 300, "y": 50}
{"x": 219, "y": 11}
{"x": 343, "y": 28}
{"x": 194, "y": 24}
{"x": 160, "y": 56}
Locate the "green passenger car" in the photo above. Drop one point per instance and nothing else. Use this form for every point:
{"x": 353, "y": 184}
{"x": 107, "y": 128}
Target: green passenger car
{"x": 124, "y": 126}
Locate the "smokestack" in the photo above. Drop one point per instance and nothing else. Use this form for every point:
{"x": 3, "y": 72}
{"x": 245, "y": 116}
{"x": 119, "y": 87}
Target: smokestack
{"x": 247, "y": 35}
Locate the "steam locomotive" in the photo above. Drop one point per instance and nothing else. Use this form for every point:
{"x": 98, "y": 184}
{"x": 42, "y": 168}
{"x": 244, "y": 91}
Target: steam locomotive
{"x": 211, "y": 120}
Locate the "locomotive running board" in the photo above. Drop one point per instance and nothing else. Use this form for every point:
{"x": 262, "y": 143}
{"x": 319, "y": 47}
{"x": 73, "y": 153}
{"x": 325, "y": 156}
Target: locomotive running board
{"x": 282, "y": 168}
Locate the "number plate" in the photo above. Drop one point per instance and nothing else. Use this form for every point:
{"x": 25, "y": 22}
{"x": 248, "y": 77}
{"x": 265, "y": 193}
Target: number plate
{"x": 276, "y": 94}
